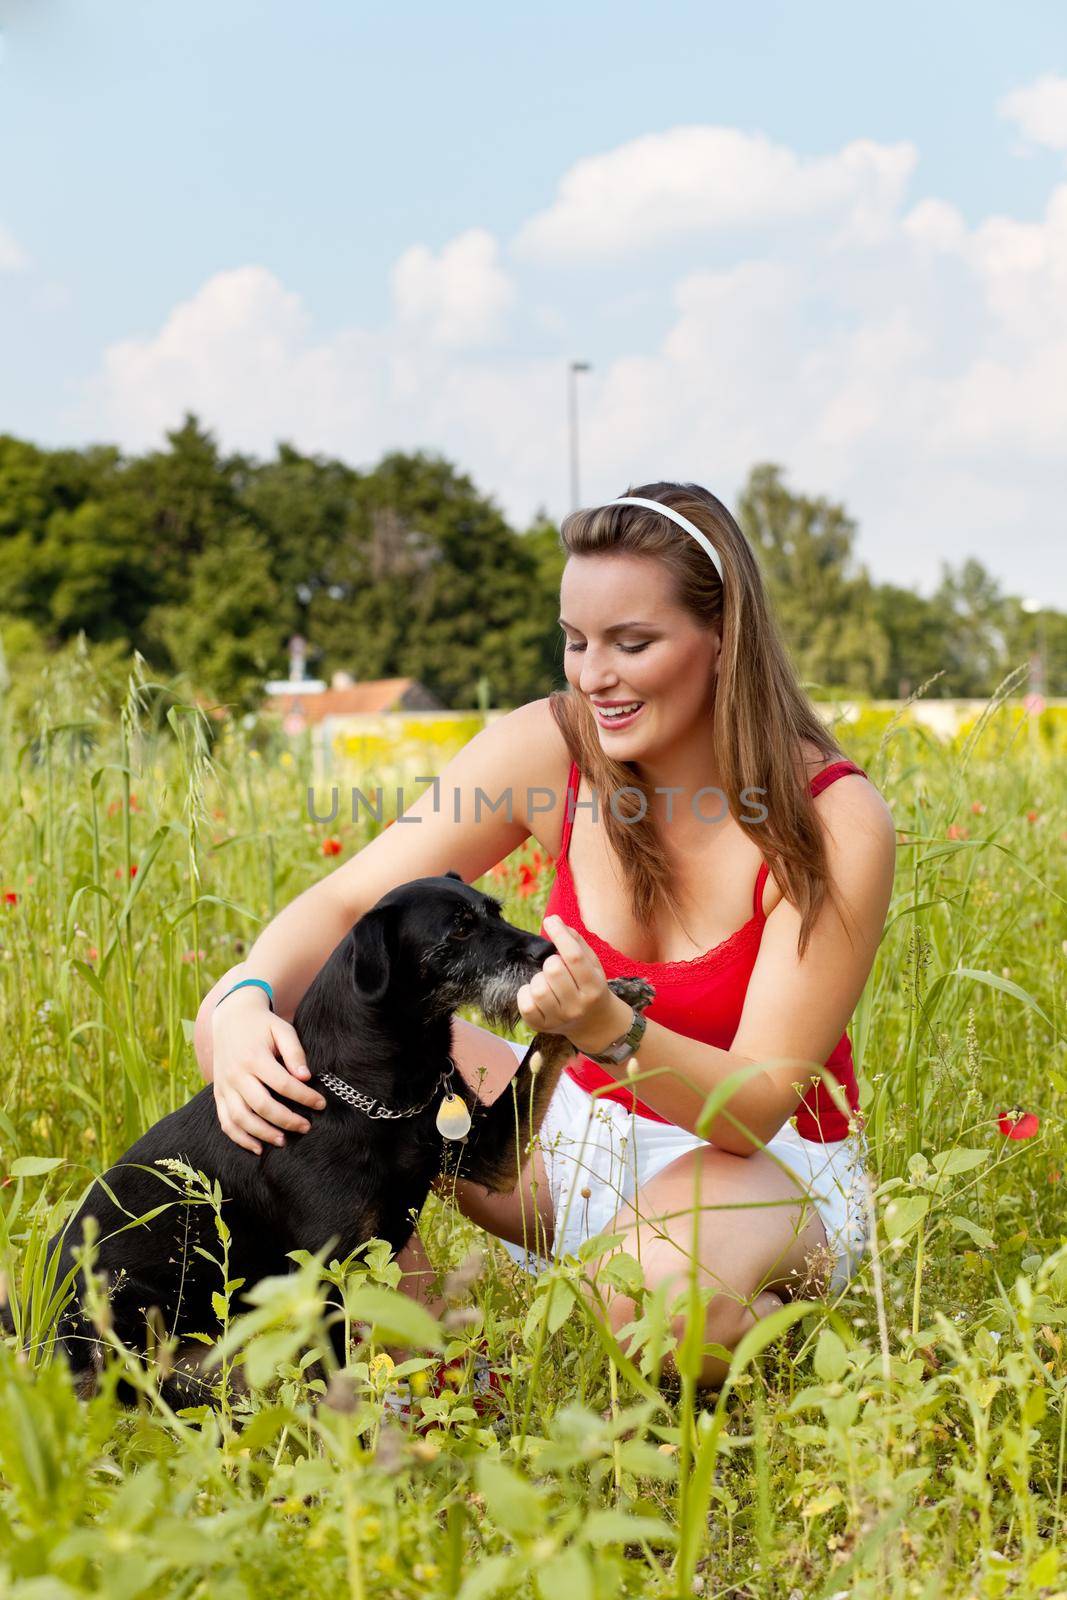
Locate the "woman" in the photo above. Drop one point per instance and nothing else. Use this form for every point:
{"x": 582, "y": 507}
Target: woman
{"x": 689, "y": 830}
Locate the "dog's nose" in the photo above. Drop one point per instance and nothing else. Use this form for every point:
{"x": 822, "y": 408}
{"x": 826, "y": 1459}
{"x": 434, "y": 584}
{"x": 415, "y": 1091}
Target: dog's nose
{"x": 540, "y": 949}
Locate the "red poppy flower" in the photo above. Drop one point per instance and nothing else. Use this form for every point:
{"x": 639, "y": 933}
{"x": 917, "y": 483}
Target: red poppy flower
{"x": 527, "y": 880}
{"x": 1032, "y": 816}
{"x": 94, "y": 954}
{"x": 133, "y": 871}
{"x": 10, "y": 897}
{"x": 331, "y": 847}
{"x": 978, "y": 808}
{"x": 956, "y": 832}
{"x": 1018, "y": 1125}
{"x": 500, "y": 870}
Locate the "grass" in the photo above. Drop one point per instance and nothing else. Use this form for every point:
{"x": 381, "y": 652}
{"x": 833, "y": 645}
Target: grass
{"x": 905, "y": 1439}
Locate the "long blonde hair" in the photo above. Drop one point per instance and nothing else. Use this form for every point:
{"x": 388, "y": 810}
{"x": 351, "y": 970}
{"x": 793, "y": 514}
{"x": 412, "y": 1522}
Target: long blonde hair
{"x": 761, "y": 714}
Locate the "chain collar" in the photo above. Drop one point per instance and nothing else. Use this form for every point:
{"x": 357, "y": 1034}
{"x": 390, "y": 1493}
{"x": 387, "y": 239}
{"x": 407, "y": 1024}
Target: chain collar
{"x": 375, "y": 1108}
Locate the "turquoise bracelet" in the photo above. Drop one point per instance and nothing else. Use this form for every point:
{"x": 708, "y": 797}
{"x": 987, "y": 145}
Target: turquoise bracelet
{"x": 260, "y": 983}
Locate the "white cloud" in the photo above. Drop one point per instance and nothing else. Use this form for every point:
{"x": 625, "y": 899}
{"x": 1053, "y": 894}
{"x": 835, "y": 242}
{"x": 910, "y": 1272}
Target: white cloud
{"x": 458, "y": 298}
{"x": 692, "y": 180}
{"x": 13, "y": 257}
{"x": 891, "y": 355}
{"x": 1039, "y": 110}
{"x": 241, "y": 354}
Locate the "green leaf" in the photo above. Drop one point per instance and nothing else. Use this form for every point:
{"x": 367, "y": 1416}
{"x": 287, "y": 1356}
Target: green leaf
{"x": 514, "y": 1505}
{"x": 566, "y": 1574}
{"x": 34, "y": 1166}
{"x": 903, "y": 1216}
{"x": 395, "y": 1315}
{"x": 619, "y": 1527}
{"x": 981, "y": 1236}
{"x": 533, "y": 1319}
{"x": 561, "y": 1301}
{"x": 624, "y": 1271}
{"x": 489, "y": 1577}
{"x": 831, "y": 1356}
{"x": 947, "y": 1163}
{"x": 992, "y": 981}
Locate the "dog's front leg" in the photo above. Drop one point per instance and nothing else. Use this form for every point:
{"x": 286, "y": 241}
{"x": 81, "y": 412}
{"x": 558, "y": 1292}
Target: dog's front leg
{"x": 496, "y": 1150}
{"x": 489, "y": 1155}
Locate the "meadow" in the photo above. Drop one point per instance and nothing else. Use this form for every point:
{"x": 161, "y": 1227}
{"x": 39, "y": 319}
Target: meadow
{"x": 907, "y": 1438}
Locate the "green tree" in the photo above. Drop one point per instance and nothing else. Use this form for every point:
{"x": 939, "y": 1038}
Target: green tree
{"x": 429, "y": 582}
{"x": 309, "y": 507}
{"x": 542, "y": 541}
{"x": 825, "y": 604}
{"x": 973, "y": 614}
{"x": 915, "y": 631}
{"x": 181, "y": 501}
{"x": 224, "y": 633}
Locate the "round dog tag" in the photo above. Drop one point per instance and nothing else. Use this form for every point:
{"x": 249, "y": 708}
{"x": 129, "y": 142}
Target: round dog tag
{"x": 453, "y": 1118}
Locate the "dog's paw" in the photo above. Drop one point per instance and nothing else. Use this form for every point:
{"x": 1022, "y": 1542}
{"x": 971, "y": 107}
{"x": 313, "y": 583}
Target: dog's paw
{"x": 637, "y": 992}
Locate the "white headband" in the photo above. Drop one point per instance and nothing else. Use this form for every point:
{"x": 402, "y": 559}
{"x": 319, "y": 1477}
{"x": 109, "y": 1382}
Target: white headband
{"x": 683, "y": 522}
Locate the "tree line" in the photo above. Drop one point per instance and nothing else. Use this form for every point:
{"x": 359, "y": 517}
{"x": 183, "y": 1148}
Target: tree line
{"x": 208, "y": 562}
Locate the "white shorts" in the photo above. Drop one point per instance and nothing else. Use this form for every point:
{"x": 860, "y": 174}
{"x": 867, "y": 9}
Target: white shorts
{"x": 588, "y": 1141}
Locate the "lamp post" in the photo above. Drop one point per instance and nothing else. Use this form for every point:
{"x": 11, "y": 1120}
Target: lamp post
{"x": 572, "y": 406}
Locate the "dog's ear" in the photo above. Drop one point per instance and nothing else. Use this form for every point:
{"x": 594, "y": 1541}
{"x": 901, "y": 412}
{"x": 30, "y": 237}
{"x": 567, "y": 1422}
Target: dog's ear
{"x": 375, "y": 943}
{"x": 453, "y": 874}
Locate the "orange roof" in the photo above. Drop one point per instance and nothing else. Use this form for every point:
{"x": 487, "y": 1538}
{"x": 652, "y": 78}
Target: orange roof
{"x": 381, "y": 694}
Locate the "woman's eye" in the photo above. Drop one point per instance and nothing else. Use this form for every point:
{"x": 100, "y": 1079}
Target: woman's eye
{"x": 631, "y": 649}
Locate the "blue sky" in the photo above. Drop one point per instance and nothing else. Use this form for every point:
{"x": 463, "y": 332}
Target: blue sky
{"x": 816, "y": 235}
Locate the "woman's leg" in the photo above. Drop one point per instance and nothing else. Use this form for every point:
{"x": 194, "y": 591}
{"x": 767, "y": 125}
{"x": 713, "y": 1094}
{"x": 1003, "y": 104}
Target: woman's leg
{"x": 758, "y": 1238}
{"x": 488, "y": 1063}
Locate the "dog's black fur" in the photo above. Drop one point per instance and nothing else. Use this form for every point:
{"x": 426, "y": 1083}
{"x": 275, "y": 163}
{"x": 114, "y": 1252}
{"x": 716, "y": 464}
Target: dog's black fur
{"x": 379, "y": 1016}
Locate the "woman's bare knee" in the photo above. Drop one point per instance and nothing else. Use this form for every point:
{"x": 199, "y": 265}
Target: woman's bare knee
{"x": 419, "y": 1278}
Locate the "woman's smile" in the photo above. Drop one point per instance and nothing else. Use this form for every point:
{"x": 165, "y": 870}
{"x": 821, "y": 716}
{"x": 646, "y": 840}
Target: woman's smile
{"x": 621, "y": 715}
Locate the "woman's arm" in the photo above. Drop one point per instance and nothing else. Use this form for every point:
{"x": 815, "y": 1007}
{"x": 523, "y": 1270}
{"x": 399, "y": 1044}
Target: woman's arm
{"x": 795, "y": 1010}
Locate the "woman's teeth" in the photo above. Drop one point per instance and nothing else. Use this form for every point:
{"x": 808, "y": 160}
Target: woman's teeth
{"x": 617, "y": 713}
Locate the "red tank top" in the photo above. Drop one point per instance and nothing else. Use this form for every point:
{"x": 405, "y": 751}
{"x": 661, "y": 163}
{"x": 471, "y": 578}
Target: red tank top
{"x": 701, "y": 998}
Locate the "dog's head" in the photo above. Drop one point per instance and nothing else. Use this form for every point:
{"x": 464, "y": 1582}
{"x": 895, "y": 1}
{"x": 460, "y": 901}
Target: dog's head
{"x": 439, "y": 944}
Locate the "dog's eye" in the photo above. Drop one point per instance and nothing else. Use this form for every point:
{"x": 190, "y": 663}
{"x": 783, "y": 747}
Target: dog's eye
{"x": 464, "y": 928}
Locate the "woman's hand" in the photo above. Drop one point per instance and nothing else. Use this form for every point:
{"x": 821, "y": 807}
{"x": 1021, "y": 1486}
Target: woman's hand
{"x": 570, "y": 995}
{"x": 247, "y": 1039}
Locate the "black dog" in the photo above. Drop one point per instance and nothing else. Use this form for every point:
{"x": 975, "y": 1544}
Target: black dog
{"x": 378, "y": 1019}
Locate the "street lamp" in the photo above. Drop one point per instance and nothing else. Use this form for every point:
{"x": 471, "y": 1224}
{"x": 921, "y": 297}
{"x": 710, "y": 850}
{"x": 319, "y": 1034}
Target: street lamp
{"x": 572, "y": 405}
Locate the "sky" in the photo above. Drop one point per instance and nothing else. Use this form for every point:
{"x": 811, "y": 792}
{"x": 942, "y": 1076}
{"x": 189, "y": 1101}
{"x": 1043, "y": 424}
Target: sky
{"x": 828, "y": 236}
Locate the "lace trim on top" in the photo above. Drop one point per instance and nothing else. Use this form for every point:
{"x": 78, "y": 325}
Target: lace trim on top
{"x": 740, "y": 939}
{"x": 748, "y": 934}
